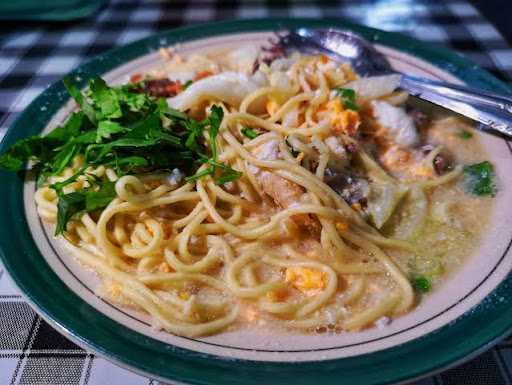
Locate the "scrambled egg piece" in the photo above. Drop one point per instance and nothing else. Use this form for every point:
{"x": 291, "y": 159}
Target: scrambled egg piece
{"x": 164, "y": 267}
{"x": 251, "y": 314}
{"x": 395, "y": 157}
{"x": 342, "y": 120}
{"x": 272, "y": 106}
{"x": 276, "y": 295}
{"x": 356, "y": 206}
{"x": 114, "y": 290}
{"x": 342, "y": 226}
{"x": 304, "y": 279}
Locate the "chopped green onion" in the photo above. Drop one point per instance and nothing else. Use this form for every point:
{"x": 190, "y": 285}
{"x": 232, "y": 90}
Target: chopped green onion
{"x": 422, "y": 284}
{"x": 249, "y": 132}
{"x": 463, "y": 134}
{"x": 348, "y": 98}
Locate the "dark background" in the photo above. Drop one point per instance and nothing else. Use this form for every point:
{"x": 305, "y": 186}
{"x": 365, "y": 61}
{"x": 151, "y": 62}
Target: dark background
{"x": 499, "y": 13}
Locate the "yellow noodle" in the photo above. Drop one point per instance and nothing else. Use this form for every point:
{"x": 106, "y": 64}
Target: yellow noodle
{"x": 278, "y": 239}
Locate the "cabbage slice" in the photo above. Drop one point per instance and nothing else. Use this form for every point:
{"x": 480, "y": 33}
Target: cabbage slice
{"x": 227, "y": 87}
{"x": 383, "y": 200}
{"x": 374, "y": 86}
{"x": 412, "y": 213}
{"x": 385, "y": 191}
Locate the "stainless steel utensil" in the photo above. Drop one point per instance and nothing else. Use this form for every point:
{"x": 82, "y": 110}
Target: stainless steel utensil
{"x": 494, "y": 111}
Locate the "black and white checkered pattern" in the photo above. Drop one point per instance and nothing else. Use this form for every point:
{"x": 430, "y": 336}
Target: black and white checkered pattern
{"x": 33, "y": 55}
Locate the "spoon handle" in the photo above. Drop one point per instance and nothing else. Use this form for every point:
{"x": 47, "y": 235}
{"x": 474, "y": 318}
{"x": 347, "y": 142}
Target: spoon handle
{"x": 461, "y": 92}
{"x": 494, "y": 111}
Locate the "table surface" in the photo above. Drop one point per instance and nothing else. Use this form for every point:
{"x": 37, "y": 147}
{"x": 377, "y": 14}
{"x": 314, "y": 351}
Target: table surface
{"x": 33, "y": 55}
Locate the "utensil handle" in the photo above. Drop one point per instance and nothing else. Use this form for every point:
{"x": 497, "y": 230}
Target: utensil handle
{"x": 461, "y": 92}
{"x": 492, "y": 110}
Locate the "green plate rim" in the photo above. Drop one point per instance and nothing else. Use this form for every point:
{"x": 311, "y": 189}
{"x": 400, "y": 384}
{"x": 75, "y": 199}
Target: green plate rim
{"x": 476, "y": 330}
{"x": 34, "y": 10}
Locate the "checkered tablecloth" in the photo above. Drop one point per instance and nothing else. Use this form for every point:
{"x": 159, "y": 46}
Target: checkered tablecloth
{"x": 33, "y": 55}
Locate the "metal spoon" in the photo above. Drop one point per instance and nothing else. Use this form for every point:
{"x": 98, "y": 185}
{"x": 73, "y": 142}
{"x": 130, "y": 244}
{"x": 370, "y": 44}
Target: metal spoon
{"x": 494, "y": 111}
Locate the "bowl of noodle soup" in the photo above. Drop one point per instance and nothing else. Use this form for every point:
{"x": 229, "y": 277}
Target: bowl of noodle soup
{"x": 328, "y": 222}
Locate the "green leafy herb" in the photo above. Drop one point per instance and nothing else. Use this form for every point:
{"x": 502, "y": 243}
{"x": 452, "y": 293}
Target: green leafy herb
{"x": 127, "y": 164}
{"x": 33, "y": 147}
{"x": 106, "y": 100}
{"x": 95, "y": 200}
{"x": 68, "y": 205}
{"x": 213, "y": 122}
{"x": 187, "y": 84}
{"x": 69, "y": 130}
{"x": 422, "y": 284}
{"x": 228, "y": 174}
{"x": 200, "y": 174}
{"x": 64, "y": 157}
{"x": 129, "y": 131}
{"x": 106, "y": 129}
{"x": 479, "y": 178}
{"x": 463, "y": 134}
{"x": 87, "y": 200}
{"x": 60, "y": 185}
{"x": 348, "y": 98}
{"x": 249, "y": 132}
{"x": 82, "y": 101}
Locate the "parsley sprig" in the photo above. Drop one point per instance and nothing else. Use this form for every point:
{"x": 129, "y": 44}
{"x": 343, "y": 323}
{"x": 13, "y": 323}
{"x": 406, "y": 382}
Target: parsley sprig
{"x": 348, "y": 98}
{"x": 119, "y": 128}
{"x": 480, "y": 179}
{"x": 249, "y": 132}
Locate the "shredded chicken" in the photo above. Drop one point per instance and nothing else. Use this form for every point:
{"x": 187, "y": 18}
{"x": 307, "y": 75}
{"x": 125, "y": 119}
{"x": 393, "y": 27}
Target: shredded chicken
{"x": 395, "y": 134}
{"x": 283, "y": 192}
{"x": 399, "y": 125}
